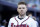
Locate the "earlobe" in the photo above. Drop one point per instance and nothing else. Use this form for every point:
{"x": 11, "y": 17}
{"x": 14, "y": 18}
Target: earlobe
{"x": 17, "y": 9}
{"x": 26, "y": 9}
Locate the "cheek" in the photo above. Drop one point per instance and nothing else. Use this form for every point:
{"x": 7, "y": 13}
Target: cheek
{"x": 25, "y": 10}
{"x": 18, "y": 11}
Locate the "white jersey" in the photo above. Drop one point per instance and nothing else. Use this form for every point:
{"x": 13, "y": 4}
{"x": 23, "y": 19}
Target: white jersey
{"x": 26, "y": 22}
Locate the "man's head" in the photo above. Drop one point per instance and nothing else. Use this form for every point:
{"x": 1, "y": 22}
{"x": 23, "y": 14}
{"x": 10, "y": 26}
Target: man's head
{"x": 22, "y": 8}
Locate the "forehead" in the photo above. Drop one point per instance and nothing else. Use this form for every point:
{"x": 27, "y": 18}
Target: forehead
{"x": 22, "y": 5}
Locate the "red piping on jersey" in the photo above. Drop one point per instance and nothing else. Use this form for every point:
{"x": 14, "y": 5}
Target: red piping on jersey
{"x": 25, "y": 20}
{"x": 22, "y": 22}
{"x": 17, "y": 21}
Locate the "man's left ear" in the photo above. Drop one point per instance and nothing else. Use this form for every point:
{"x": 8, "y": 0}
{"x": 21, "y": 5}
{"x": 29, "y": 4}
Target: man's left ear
{"x": 17, "y": 9}
{"x": 26, "y": 9}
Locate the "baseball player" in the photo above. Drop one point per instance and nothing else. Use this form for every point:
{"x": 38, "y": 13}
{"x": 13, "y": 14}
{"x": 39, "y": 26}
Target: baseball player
{"x": 22, "y": 20}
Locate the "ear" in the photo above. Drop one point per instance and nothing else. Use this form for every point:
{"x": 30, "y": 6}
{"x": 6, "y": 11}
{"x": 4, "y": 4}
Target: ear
{"x": 17, "y": 9}
{"x": 26, "y": 9}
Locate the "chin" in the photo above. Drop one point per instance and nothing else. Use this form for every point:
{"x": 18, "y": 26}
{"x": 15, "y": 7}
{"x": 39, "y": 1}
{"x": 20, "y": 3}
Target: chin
{"x": 22, "y": 14}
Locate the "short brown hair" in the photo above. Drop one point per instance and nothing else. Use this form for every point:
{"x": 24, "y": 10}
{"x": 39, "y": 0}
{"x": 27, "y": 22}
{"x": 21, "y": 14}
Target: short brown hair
{"x": 22, "y": 3}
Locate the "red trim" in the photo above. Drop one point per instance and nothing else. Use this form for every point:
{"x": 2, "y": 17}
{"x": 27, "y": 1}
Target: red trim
{"x": 23, "y": 21}
{"x": 17, "y": 21}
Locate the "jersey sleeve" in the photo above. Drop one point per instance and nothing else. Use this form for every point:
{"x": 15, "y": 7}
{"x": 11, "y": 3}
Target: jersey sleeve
{"x": 34, "y": 24}
{"x": 9, "y": 24}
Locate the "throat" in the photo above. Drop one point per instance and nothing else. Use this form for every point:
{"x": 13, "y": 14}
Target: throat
{"x": 20, "y": 18}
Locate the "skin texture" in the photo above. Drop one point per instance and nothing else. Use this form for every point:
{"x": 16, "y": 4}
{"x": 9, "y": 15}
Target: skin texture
{"x": 22, "y": 9}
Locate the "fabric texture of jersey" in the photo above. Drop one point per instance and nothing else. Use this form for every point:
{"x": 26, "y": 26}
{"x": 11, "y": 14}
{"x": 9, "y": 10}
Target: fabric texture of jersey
{"x": 25, "y": 22}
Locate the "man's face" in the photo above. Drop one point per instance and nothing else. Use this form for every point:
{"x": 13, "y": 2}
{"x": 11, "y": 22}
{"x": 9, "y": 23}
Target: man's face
{"x": 22, "y": 9}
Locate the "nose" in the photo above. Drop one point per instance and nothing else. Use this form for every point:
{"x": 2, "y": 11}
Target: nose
{"x": 21, "y": 9}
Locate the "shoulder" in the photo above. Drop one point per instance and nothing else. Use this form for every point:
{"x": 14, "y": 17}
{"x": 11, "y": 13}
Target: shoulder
{"x": 30, "y": 18}
{"x": 33, "y": 21}
{"x": 13, "y": 18}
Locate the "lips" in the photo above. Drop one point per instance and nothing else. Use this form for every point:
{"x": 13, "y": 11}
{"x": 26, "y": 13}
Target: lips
{"x": 21, "y": 12}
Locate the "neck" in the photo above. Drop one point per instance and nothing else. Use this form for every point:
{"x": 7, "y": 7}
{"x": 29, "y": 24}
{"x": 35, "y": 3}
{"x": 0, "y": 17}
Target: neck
{"x": 22, "y": 16}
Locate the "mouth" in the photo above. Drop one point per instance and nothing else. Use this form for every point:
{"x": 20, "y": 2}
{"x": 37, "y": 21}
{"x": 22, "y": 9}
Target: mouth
{"x": 21, "y": 12}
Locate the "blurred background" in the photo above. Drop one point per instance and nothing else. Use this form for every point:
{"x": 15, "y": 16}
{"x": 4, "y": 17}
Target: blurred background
{"x": 8, "y": 9}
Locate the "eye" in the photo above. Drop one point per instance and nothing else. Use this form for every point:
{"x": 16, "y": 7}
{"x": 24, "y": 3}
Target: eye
{"x": 19, "y": 8}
